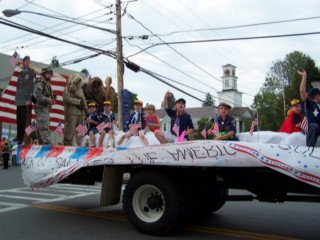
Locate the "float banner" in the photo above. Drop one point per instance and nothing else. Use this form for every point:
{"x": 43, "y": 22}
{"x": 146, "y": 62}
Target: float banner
{"x": 45, "y": 165}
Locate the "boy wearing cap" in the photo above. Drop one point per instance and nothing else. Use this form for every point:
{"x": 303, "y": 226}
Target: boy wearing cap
{"x": 23, "y": 97}
{"x": 92, "y": 121}
{"x": 312, "y": 101}
{"x": 294, "y": 118}
{"x": 184, "y": 119}
{"x": 136, "y": 117}
{"x": 227, "y": 124}
{"x": 108, "y": 117}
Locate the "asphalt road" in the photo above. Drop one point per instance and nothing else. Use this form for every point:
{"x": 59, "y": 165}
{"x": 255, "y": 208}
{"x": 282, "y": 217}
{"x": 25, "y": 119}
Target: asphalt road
{"x": 65, "y": 211}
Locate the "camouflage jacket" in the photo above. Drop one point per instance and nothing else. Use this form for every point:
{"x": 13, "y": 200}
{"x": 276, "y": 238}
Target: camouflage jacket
{"x": 42, "y": 91}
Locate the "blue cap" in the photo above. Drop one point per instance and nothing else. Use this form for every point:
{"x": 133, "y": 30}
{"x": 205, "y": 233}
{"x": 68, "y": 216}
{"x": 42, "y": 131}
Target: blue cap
{"x": 313, "y": 92}
{"x": 26, "y": 58}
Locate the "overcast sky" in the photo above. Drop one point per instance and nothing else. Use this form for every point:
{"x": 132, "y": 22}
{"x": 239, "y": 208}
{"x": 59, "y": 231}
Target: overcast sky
{"x": 198, "y": 65}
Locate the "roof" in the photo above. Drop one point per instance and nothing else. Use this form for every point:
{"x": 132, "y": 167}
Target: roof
{"x": 209, "y": 112}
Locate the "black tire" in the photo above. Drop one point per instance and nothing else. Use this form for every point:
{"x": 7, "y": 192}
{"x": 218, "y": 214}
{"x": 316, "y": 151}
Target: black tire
{"x": 209, "y": 201}
{"x": 153, "y": 203}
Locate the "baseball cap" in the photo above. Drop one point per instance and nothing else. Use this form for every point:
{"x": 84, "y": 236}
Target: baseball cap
{"x": 225, "y": 104}
{"x": 137, "y": 102}
{"x": 294, "y": 102}
{"x": 26, "y": 58}
{"x": 181, "y": 100}
{"x": 313, "y": 91}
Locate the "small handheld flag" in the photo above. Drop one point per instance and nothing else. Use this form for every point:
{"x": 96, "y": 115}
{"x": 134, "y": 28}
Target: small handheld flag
{"x": 103, "y": 125}
{"x": 176, "y": 127}
{"x": 82, "y": 128}
{"x": 304, "y": 124}
{"x": 134, "y": 129}
{"x": 215, "y": 129}
{"x": 59, "y": 130}
{"x": 204, "y": 132}
{"x": 88, "y": 76}
{"x": 31, "y": 128}
{"x": 14, "y": 59}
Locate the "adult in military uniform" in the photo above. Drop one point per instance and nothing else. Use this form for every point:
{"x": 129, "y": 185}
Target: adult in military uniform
{"x": 75, "y": 107}
{"x": 44, "y": 100}
{"x": 24, "y": 97}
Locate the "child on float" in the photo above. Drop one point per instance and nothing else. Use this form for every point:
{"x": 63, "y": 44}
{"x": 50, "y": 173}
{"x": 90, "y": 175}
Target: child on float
{"x": 227, "y": 124}
{"x": 184, "y": 119}
{"x": 92, "y": 120}
{"x": 136, "y": 117}
{"x": 152, "y": 123}
{"x": 107, "y": 116}
{"x": 294, "y": 118}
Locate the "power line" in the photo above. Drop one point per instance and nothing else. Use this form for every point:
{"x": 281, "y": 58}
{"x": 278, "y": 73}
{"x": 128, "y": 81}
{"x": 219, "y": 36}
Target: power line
{"x": 225, "y": 39}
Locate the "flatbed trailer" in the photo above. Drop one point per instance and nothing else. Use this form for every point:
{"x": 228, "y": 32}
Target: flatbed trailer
{"x": 169, "y": 183}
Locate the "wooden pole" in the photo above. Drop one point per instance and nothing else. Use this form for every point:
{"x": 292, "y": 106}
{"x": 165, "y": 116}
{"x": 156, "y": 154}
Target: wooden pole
{"x": 120, "y": 66}
{"x": 284, "y": 101}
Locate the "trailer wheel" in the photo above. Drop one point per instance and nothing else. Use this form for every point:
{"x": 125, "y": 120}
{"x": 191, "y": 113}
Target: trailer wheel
{"x": 209, "y": 201}
{"x": 153, "y": 203}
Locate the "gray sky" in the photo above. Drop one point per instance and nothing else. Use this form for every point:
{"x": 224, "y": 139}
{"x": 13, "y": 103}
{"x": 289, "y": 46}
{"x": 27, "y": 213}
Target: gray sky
{"x": 198, "y": 65}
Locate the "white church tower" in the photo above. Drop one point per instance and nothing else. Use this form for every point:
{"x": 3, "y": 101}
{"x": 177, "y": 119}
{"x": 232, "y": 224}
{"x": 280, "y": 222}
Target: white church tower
{"x": 229, "y": 93}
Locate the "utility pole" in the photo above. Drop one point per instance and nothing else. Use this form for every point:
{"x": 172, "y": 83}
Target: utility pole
{"x": 120, "y": 66}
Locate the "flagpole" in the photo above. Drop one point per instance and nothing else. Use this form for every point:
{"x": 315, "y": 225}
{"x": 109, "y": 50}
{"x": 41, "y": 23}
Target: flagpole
{"x": 257, "y": 123}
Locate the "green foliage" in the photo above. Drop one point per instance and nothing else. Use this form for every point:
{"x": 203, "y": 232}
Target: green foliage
{"x": 283, "y": 75}
{"x": 85, "y": 71}
{"x": 201, "y": 124}
{"x": 171, "y": 101}
{"x": 209, "y": 101}
{"x": 55, "y": 62}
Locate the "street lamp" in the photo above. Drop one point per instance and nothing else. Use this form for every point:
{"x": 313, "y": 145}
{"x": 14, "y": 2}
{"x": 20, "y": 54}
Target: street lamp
{"x": 120, "y": 70}
{"x": 11, "y": 12}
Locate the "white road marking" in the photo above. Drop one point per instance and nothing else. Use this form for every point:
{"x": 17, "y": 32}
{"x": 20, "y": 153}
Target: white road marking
{"x": 54, "y": 193}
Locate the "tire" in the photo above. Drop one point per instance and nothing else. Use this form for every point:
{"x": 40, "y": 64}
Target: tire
{"x": 209, "y": 201}
{"x": 153, "y": 203}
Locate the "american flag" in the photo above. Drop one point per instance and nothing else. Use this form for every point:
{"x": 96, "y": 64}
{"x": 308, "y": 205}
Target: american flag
{"x": 103, "y": 125}
{"x": 82, "y": 128}
{"x": 176, "y": 127}
{"x": 254, "y": 123}
{"x": 215, "y": 129}
{"x": 134, "y": 129}
{"x": 304, "y": 124}
{"x": 31, "y": 128}
{"x": 8, "y": 109}
{"x": 14, "y": 59}
{"x": 88, "y": 76}
{"x": 59, "y": 130}
{"x": 204, "y": 132}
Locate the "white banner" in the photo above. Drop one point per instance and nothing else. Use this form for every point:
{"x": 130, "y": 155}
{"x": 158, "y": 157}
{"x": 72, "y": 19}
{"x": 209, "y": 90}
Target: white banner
{"x": 45, "y": 165}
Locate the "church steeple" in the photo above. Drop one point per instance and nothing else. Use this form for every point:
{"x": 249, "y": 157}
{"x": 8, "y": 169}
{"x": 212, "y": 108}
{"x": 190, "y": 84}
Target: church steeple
{"x": 229, "y": 91}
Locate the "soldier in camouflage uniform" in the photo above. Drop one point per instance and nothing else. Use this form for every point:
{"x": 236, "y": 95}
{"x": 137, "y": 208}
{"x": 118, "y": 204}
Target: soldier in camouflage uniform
{"x": 43, "y": 94}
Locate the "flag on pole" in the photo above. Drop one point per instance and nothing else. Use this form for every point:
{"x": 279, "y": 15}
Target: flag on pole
{"x": 59, "y": 130}
{"x": 82, "y": 128}
{"x": 31, "y": 128}
{"x": 254, "y": 123}
{"x": 103, "y": 125}
{"x": 14, "y": 59}
{"x": 176, "y": 127}
{"x": 134, "y": 129}
{"x": 215, "y": 129}
{"x": 88, "y": 76}
{"x": 304, "y": 124}
{"x": 204, "y": 132}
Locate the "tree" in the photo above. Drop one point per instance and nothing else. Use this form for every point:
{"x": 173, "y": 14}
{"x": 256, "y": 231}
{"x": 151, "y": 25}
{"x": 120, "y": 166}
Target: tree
{"x": 209, "y": 101}
{"x": 171, "y": 101}
{"x": 84, "y": 71}
{"x": 55, "y": 62}
{"x": 283, "y": 74}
